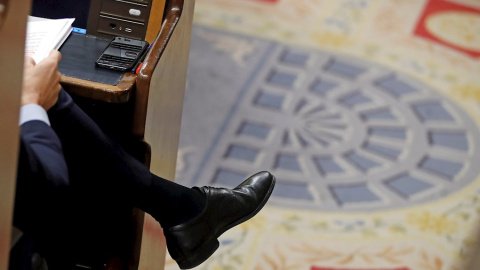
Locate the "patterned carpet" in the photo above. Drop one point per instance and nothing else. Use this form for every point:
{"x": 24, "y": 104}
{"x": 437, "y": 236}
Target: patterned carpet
{"x": 367, "y": 113}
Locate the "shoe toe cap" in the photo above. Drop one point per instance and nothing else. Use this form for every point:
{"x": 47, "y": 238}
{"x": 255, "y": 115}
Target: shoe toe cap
{"x": 260, "y": 183}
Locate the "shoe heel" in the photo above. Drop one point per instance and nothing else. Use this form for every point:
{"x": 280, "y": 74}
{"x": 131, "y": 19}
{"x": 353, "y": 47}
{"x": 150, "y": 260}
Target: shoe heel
{"x": 203, "y": 254}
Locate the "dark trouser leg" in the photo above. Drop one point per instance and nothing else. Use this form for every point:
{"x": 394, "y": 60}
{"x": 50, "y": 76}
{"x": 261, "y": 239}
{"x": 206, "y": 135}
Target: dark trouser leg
{"x": 105, "y": 181}
{"x": 99, "y": 167}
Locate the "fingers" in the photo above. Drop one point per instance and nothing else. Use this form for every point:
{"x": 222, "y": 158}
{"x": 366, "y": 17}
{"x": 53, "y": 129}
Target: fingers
{"x": 52, "y": 59}
{"x": 55, "y": 55}
{"x": 59, "y": 76}
{"x": 58, "y": 88}
{"x": 29, "y": 62}
{"x": 51, "y": 62}
{"x": 42, "y": 81}
{"x": 54, "y": 98}
{"x": 49, "y": 67}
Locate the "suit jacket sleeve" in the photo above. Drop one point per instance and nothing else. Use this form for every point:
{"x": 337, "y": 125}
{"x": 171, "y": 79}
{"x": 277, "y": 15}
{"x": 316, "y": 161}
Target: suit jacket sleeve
{"x": 41, "y": 156}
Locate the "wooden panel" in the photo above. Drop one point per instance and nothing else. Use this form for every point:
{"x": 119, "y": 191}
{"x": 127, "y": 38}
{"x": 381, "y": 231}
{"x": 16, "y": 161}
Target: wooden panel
{"x": 164, "y": 112}
{"x": 155, "y": 20}
{"x": 472, "y": 262}
{"x": 12, "y": 44}
{"x": 475, "y": 265}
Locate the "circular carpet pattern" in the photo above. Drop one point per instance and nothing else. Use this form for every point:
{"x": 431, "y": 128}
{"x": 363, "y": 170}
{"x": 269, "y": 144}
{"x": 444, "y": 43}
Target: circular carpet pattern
{"x": 344, "y": 134}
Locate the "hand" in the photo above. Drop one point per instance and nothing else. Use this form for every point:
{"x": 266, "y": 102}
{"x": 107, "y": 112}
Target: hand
{"x": 41, "y": 82}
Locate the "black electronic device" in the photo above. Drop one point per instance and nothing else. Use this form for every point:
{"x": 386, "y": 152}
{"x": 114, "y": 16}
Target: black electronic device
{"x": 122, "y": 53}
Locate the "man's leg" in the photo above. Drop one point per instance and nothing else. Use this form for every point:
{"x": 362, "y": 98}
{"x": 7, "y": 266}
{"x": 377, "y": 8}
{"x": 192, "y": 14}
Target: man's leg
{"x": 100, "y": 166}
{"x": 193, "y": 219}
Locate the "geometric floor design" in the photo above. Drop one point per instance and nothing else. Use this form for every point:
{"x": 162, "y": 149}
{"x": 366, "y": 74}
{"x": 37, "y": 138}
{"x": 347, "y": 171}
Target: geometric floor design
{"x": 367, "y": 112}
{"x": 342, "y": 134}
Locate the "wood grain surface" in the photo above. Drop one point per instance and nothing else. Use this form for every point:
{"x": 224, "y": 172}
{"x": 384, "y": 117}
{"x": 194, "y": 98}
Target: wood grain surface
{"x": 155, "y": 20}
{"x": 12, "y": 44}
{"x": 164, "y": 91}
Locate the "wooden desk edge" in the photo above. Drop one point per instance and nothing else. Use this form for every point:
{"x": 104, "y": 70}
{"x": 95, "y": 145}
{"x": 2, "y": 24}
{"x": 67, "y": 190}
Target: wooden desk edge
{"x": 173, "y": 11}
{"x": 123, "y": 91}
{"x": 119, "y": 93}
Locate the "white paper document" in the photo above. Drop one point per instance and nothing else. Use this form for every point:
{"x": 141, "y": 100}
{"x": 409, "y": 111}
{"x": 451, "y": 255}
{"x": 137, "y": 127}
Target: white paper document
{"x": 44, "y": 35}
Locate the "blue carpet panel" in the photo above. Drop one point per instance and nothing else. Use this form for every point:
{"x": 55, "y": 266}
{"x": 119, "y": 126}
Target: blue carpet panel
{"x": 339, "y": 133}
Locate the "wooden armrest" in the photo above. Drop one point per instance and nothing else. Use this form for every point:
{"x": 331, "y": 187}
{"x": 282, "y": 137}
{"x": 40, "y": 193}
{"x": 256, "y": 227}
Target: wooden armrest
{"x": 173, "y": 12}
{"x": 158, "y": 110}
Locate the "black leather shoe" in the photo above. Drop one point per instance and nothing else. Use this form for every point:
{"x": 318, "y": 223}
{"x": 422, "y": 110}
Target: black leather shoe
{"x": 191, "y": 243}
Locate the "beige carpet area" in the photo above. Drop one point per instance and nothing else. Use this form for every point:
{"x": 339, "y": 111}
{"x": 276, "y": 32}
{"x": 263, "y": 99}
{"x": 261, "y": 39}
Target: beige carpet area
{"x": 405, "y": 197}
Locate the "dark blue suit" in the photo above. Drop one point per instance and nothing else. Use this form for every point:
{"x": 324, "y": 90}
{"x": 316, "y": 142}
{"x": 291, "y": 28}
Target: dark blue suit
{"x": 43, "y": 151}
{"x": 74, "y": 182}
{"x": 42, "y": 181}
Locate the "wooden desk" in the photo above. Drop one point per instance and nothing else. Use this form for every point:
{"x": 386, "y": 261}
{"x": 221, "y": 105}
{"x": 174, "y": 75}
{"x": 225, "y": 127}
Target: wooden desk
{"x": 157, "y": 13}
{"x": 119, "y": 93}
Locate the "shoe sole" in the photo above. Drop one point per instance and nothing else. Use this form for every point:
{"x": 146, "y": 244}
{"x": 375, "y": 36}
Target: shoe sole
{"x": 210, "y": 247}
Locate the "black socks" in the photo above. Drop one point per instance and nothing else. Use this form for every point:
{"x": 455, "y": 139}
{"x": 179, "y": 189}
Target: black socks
{"x": 172, "y": 204}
